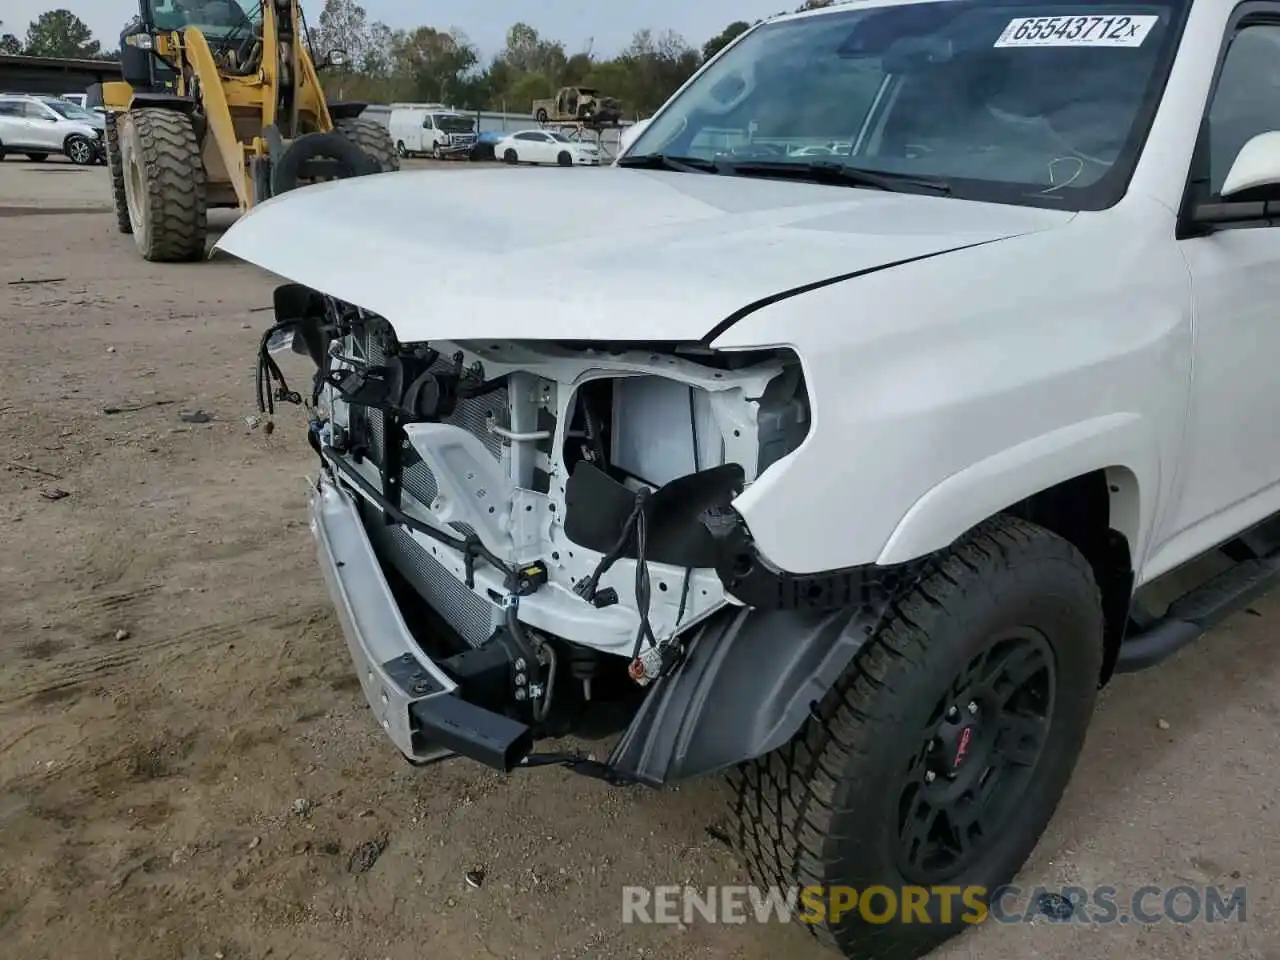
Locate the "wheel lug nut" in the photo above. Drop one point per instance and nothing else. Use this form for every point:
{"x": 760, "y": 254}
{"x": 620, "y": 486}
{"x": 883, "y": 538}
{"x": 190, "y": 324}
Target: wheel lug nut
{"x": 930, "y": 776}
{"x": 951, "y": 714}
{"x": 973, "y": 707}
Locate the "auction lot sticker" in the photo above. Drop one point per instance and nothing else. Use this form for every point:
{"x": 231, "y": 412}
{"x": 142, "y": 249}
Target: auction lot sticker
{"x": 1112, "y": 30}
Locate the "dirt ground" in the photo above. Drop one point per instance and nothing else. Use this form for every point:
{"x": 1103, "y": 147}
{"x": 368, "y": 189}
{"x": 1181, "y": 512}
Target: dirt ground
{"x": 187, "y": 769}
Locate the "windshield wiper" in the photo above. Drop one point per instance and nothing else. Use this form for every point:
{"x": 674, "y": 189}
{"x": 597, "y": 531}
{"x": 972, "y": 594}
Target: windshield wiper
{"x": 826, "y": 171}
{"x": 658, "y": 161}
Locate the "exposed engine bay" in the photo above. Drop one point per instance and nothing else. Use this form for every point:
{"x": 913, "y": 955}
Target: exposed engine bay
{"x": 547, "y": 508}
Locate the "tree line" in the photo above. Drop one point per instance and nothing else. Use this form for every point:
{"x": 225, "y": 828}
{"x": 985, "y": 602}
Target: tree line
{"x": 430, "y": 64}
{"x": 55, "y": 33}
{"x": 381, "y": 65}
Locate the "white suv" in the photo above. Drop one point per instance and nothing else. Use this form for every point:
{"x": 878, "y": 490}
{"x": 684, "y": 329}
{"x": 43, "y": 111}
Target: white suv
{"x": 37, "y": 127}
{"x": 851, "y": 475}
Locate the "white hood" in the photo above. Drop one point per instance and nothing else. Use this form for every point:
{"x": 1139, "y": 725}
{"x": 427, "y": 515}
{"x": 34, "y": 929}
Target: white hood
{"x": 614, "y": 254}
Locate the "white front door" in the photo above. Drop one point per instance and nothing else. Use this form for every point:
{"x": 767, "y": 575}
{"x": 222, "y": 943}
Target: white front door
{"x": 45, "y": 131}
{"x": 1232, "y": 448}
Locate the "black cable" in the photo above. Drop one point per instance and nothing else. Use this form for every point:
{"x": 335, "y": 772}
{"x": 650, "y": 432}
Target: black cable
{"x": 593, "y": 432}
{"x": 269, "y": 370}
{"x": 587, "y": 588}
{"x": 643, "y": 583}
{"x": 684, "y": 594}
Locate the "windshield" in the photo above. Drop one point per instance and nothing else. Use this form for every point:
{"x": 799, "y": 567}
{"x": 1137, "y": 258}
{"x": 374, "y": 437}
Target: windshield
{"x": 214, "y": 18}
{"x": 1034, "y": 103}
{"x": 454, "y": 124}
{"x": 558, "y": 136}
{"x": 69, "y": 110}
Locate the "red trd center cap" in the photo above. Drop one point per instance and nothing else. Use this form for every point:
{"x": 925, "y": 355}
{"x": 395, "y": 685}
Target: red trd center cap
{"x": 963, "y": 744}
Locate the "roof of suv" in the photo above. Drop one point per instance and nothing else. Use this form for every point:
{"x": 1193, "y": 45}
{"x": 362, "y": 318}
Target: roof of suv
{"x": 42, "y": 97}
{"x": 29, "y": 97}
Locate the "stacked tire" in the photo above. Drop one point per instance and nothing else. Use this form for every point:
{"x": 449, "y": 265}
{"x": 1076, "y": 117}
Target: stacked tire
{"x": 373, "y": 139}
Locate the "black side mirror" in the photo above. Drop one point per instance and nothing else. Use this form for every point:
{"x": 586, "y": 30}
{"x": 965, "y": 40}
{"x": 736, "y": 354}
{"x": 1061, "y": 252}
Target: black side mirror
{"x": 334, "y": 58}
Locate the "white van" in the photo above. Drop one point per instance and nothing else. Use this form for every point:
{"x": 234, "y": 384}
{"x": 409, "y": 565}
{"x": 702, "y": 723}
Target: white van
{"x": 430, "y": 128}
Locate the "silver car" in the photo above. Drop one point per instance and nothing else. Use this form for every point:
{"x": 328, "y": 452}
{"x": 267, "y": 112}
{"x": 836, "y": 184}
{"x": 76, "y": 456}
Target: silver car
{"x": 38, "y": 126}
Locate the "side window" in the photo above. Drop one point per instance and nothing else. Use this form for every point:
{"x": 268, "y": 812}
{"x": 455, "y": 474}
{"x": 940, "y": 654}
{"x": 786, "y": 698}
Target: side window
{"x": 36, "y": 111}
{"x": 528, "y": 136}
{"x": 10, "y": 109}
{"x": 1246, "y": 101}
{"x": 426, "y": 124}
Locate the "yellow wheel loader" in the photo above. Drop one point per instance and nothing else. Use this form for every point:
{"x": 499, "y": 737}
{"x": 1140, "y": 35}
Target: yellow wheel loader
{"x": 221, "y": 106}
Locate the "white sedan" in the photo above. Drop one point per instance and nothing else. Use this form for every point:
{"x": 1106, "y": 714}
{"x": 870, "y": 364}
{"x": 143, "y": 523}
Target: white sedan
{"x": 546, "y": 146}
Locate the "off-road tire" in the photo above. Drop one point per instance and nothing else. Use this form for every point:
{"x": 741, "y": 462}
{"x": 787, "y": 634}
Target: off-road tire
{"x": 824, "y": 810}
{"x": 164, "y": 183}
{"x": 373, "y": 139}
{"x": 118, "y": 198}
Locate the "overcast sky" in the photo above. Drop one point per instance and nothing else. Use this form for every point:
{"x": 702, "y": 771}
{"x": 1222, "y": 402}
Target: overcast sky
{"x": 573, "y": 22}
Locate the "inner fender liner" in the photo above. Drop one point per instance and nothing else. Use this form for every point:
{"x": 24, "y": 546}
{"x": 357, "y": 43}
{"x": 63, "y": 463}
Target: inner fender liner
{"x": 350, "y": 160}
{"x": 745, "y": 688}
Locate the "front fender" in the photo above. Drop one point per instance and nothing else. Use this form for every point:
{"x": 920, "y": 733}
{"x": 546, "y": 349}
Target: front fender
{"x": 935, "y": 389}
{"x": 969, "y": 496}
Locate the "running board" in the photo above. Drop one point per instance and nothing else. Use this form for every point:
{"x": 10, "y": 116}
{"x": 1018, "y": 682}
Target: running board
{"x": 1193, "y": 613}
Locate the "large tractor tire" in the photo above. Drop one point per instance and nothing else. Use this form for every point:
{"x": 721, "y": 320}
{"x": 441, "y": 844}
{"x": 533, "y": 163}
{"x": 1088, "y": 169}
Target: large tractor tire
{"x": 373, "y": 139}
{"x": 164, "y": 184}
{"x": 938, "y": 759}
{"x": 118, "y": 198}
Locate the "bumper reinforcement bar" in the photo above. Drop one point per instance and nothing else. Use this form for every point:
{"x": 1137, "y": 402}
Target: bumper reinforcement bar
{"x": 417, "y": 703}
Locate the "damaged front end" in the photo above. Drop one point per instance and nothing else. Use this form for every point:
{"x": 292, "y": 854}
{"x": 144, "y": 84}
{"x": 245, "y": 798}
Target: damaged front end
{"x": 522, "y": 536}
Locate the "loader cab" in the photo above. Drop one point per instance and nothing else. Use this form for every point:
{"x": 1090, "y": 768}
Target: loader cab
{"x": 216, "y": 19}
{"x": 141, "y": 69}
{"x": 226, "y": 24}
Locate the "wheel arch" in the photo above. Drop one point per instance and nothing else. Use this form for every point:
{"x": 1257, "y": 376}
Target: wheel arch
{"x": 1119, "y": 447}
{"x": 763, "y": 689}
{"x": 1091, "y": 482}
{"x": 1097, "y": 513}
